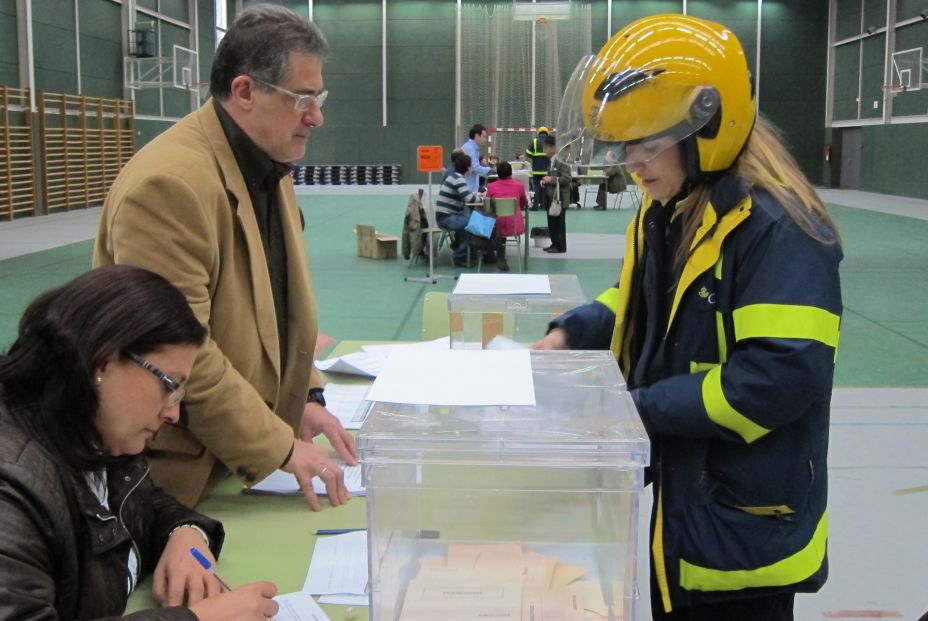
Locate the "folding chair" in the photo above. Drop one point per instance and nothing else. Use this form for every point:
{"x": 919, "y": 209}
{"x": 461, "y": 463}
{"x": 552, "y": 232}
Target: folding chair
{"x": 505, "y": 207}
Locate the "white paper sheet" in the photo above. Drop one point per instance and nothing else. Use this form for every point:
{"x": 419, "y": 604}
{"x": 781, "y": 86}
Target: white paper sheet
{"x": 504, "y": 342}
{"x": 338, "y": 566}
{"x": 284, "y": 483}
{"x": 501, "y": 284}
{"x": 385, "y": 350}
{"x": 345, "y": 600}
{"x": 344, "y": 402}
{"x": 298, "y": 607}
{"x": 359, "y": 363}
{"x": 456, "y": 377}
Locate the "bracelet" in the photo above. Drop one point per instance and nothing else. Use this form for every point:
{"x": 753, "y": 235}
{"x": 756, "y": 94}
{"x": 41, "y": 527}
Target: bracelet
{"x": 194, "y": 527}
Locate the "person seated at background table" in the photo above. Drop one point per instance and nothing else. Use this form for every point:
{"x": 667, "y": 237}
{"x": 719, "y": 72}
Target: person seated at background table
{"x": 98, "y": 366}
{"x": 451, "y": 211}
{"x": 614, "y": 183}
{"x": 450, "y": 167}
{"x": 507, "y": 187}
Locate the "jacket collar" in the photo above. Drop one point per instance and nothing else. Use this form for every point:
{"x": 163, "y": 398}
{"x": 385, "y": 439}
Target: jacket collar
{"x": 258, "y": 169}
{"x": 235, "y": 185}
{"x": 106, "y": 530}
{"x": 729, "y": 205}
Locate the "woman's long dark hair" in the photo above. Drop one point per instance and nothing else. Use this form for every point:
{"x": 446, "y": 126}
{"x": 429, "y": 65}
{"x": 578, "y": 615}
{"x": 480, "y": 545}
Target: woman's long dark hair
{"x": 67, "y": 333}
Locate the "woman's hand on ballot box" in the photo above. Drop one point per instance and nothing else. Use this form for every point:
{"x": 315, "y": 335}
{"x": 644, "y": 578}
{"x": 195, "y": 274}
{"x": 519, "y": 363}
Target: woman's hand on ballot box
{"x": 555, "y": 339}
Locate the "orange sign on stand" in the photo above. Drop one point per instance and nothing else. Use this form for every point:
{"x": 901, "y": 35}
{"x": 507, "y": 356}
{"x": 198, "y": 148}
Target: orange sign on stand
{"x": 430, "y": 158}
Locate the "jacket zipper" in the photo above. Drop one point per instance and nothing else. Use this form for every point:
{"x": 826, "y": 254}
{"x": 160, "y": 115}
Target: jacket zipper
{"x": 135, "y": 548}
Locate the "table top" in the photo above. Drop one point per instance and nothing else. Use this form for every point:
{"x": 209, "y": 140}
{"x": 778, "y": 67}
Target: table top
{"x": 271, "y": 537}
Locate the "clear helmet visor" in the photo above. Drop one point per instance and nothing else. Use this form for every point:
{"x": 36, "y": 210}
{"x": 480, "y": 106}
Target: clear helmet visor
{"x": 611, "y": 116}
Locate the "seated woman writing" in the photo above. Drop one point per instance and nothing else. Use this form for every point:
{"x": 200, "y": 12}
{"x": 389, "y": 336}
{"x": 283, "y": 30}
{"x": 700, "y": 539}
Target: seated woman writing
{"x": 98, "y": 366}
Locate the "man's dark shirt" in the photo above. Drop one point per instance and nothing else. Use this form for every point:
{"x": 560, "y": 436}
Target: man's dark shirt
{"x": 262, "y": 177}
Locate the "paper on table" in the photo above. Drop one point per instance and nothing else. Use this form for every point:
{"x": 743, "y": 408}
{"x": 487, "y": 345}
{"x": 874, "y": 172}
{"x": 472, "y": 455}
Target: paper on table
{"x": 298, "y": 607}
{"x": 502, "y": 284}
{"x": 502, "y": 342}
{"x": 359, "y": 363}
{"x": 345, "y": 600}
{"x": 284, "y": 483}
{"x": 344, "y": 402}
{"x": 456, "y": 377}
{"x": 384, "y": 350}
{"x": 338, "y": 566}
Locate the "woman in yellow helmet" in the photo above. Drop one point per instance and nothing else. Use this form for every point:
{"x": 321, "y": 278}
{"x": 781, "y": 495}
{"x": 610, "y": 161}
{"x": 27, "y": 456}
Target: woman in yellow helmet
{"x": 725, "y": 321}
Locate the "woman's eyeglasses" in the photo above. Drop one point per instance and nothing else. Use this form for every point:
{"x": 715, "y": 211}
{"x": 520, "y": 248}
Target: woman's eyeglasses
{"x": 175, "y": 390}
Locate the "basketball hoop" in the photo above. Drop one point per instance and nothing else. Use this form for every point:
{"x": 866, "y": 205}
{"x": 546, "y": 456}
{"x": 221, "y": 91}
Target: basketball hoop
{"x": 894, "y": 89}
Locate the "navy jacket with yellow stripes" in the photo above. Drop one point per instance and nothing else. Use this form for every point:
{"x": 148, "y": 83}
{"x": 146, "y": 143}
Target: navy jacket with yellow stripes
{"x": 731, "y": 368}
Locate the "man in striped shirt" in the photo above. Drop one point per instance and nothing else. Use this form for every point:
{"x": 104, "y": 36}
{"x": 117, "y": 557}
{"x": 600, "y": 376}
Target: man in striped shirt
{"x": 451, "y": 210}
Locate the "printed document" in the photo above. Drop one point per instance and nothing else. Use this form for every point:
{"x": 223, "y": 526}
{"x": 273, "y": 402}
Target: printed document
{"x": 360, "y": 363}
{"x": 298, "y": 607}
{"x": 344, "y": 401}
{"x": 284, "y": 483}
{"x": 338, "y": 566}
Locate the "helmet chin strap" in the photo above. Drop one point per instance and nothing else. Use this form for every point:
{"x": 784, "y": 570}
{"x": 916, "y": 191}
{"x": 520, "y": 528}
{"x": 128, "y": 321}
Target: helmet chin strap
{"x": 689, "y": 157}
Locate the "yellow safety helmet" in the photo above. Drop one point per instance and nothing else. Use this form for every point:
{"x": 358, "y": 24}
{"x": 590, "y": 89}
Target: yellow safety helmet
{"x": 657, "y": 82}
{"x": 544, "y": 130}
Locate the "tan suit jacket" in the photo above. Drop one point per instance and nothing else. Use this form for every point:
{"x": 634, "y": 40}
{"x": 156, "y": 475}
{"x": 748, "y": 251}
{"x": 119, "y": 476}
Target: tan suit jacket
{"x": 181, "y": 208}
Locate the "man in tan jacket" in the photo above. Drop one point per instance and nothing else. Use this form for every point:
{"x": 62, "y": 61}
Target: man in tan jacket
{"x": 209, "y": 204}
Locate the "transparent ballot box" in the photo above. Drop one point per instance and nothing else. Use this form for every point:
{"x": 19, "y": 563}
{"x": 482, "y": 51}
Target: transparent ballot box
{"x": 476, "y": 318}
{"x": 508, "y": 512}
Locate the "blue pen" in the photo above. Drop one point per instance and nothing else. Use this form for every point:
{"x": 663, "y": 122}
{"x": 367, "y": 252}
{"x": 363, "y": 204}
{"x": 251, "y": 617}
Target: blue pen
{"x": 337, "y": 531}
{"x": 202, "y": 560}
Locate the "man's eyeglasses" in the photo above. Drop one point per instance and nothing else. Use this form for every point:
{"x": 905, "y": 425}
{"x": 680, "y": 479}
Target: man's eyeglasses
{"x": 175, "y": 390}
{"x": 301, "y": 102}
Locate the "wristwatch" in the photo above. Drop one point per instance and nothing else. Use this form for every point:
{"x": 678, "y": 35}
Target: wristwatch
{"x": 315, "y": 396}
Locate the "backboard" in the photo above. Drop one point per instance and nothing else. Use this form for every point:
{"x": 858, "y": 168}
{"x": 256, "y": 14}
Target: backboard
{"x": 907, "y": 69}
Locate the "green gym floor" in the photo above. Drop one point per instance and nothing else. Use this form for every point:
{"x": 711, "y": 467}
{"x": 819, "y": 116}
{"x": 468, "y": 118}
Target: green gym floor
{"x": 884, "y": 276}
{"x": 878, "y": 475}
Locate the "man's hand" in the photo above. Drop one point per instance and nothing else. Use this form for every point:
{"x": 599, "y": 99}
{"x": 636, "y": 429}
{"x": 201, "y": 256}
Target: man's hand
{"x": 251, "y": 602}
{"x": 179, "y": 574}
{"x": 316, "y": 419}
{"x": 308, "y": 461}
{"x": 555, "y": 339}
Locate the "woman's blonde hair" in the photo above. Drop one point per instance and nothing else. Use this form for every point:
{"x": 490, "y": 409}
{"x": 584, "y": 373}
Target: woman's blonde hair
{"x": 767, "y": 165}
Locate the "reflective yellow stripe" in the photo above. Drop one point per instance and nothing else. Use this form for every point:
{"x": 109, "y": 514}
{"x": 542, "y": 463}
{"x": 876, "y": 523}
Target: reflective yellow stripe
{"x": 721, "y": 340}
{"x": 768, "y": 511}
{"x": 792, "y": 569}
{"x": 788, "y": 322}
{"x": 696, "y": 367}
{"x": 609, "y": 298}
{"x": 720, "y": 336}
{"x": 721, "y": 413}
{"x": 657, "y": 548}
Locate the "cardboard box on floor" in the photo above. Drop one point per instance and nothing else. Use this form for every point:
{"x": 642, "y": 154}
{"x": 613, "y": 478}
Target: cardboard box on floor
{"x": 374, "y": 245}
